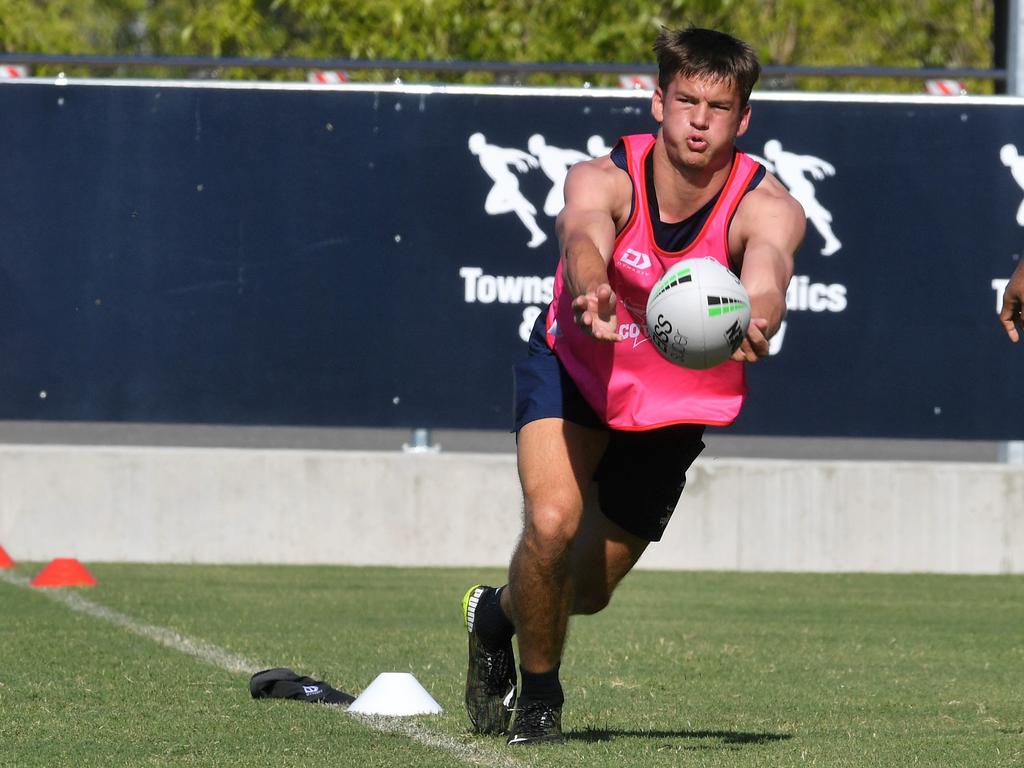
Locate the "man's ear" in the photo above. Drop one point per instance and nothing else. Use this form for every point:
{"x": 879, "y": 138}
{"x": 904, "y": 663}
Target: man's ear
{"x": 658, "y": 105}
{"x": 744, "y": 121}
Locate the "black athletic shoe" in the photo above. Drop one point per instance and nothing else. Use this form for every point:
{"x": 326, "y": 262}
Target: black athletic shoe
{"x": 537, "y": 723}
{"x": 491, "y": 677}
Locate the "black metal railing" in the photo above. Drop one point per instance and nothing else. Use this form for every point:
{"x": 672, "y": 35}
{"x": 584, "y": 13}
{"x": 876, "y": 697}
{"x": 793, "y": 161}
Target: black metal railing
{"x": 500, "y": 71}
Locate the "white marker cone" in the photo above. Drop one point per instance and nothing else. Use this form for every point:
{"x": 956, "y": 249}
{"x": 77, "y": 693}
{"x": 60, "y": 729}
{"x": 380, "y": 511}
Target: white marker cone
{"x": 395, "y": 694}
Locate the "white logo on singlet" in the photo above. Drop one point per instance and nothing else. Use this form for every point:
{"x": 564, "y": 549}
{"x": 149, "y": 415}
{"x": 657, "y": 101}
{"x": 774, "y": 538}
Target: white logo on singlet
{"x": 636, "y": 259}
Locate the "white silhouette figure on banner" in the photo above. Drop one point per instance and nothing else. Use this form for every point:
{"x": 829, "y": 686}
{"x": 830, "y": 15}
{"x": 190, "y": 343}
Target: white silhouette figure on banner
{"x": 1012, "y": 159}
{"x": 555, "y": 162}
{"x": 505, "y": 196}
{"x": 597, "y": 148}
{"x": 791, "y": 169}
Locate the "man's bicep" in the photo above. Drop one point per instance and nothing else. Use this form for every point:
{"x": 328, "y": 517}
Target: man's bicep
{"x": 773, "y": 233}
{"x": 588, "y": 209}
{"x": 595, "y": 227}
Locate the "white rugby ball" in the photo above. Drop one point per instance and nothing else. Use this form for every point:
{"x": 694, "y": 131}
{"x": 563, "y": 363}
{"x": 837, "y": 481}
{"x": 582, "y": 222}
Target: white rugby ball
{"x": 697, "y": 313}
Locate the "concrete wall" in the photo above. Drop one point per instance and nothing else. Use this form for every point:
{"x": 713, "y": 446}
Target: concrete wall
{"x": 449, "y": 509}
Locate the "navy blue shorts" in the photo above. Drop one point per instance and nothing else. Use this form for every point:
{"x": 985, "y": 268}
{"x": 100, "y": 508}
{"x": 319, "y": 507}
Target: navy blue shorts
{"x": 641, "y": 475}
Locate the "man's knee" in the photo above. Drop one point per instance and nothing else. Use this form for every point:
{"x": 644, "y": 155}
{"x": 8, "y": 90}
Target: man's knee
{"x": 551, "y": 526}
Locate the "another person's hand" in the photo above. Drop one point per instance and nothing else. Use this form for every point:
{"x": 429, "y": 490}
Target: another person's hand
{"x": 595, "y": 313}
{"x": 1012, "y": 313}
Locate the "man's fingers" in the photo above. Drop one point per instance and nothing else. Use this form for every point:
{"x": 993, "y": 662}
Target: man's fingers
{"x": 758, "y": 350}
{"x": 1006, "y": 317}
{"x": 1011, "y": 330}
{"x": 595, "y": 314}
{"x": 602, "y": 335}
{"x": 755, "y": 345}
{"x": 745, "y": 353}
{"x": 758, "y": 342}
{"x": 605, "y": 302}
{"x": 580, "y": 307}
{"x": 600, "y": 329}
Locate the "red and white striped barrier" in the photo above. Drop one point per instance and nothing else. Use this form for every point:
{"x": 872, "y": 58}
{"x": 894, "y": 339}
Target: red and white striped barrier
{"x": 638, "y": 82}
{"x": 945, "y": 87}
{"x": 326, "y": 76}
{"x": 13, "y": 70}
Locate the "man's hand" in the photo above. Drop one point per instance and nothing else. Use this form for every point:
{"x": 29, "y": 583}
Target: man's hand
{"x": 594, "y": 312}
{"x": 1012, "y": 313}
{"x": 755, "y": 345}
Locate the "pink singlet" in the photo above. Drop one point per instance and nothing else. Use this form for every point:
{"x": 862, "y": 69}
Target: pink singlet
{"x": 628, "y": 383}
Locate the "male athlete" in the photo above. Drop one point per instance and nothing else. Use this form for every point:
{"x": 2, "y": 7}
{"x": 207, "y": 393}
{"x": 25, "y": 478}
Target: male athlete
{"x": 1012, "y": 313}
{"x": 606, "y": 428}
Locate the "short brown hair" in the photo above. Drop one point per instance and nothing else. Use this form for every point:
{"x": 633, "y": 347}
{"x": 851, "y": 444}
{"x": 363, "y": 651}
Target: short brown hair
{"x": 696, "y": 52}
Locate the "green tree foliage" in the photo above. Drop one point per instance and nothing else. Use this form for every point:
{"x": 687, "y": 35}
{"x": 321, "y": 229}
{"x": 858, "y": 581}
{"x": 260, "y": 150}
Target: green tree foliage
{"x": 895, "y": 33}
{"x": 67, "y": 26}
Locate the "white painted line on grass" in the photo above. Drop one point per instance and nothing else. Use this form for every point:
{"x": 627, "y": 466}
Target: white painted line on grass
{"x": 203, "y": 651}
{"x": 215, "y": 656}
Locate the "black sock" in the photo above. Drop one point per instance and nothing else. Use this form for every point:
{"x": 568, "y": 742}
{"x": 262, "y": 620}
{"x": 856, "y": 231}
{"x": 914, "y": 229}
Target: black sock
{"x": 543, "y": 686}
{"x": 491, "y": 624}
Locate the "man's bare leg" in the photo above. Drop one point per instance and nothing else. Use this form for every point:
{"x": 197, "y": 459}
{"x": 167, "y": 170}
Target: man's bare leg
{"x": 557, "y": 460}
{"x": 602, "y": 555}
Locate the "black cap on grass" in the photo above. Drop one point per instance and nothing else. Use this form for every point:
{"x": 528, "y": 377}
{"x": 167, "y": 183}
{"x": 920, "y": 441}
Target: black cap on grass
{"x": 282, "y": 683}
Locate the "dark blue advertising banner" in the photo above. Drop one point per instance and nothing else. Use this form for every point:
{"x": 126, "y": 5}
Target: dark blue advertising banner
{"x": 356, "y": 257}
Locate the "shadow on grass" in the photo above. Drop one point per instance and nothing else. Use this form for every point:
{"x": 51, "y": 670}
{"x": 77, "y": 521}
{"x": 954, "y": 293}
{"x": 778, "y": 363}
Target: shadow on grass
{"x": 727, "y": 738}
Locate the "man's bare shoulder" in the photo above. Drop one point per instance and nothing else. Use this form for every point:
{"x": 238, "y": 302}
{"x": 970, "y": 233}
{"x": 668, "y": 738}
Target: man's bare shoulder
{"x": 771, "y": 188}
{"x": 767, "y": 214}
{"x": 600, "y": 171}
{"x": 598, "y": 184}
{"x": 771, "y": 198}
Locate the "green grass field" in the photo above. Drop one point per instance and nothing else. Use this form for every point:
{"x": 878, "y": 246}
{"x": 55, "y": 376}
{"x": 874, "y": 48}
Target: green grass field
{"x": 702, "y": 669}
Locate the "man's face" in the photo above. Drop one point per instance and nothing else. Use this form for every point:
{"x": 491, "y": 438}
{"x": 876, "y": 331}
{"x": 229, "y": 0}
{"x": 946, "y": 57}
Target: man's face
{"x": 700, "y": 119}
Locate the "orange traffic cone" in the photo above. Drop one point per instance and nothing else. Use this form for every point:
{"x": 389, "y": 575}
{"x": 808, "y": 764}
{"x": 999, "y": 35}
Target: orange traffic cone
{"x": 5, "y": 559}
{"x": 64, "y": 572}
